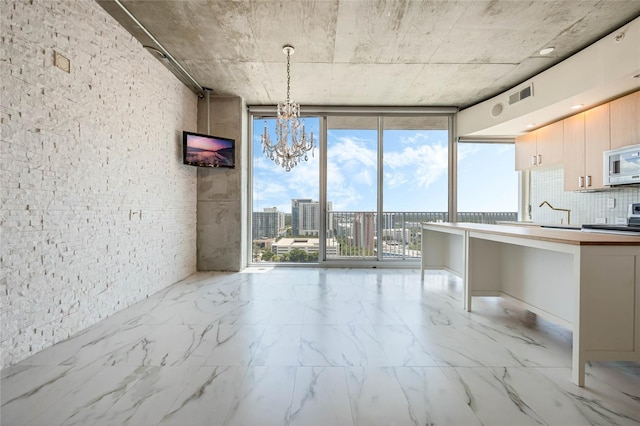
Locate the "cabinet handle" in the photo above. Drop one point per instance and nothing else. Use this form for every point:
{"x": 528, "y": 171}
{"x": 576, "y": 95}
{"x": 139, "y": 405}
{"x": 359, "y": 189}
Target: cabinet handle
{"x": 533, "y": 160}
{"x": 581, "y": 182}
{"x": 539, "y": 159}
{"x": 588, "y": 180}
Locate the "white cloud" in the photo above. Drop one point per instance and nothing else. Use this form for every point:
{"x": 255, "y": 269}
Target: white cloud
{"x": 425, "y": 164}
{"x": 352, "y": 152}
{"x": 351, "y": 169}
{"x": 398, "y": 178}
{"x": 364, "y": 177}
{"x": 340, "y": 191}
{"x": 262, "y": 163}
{"x": 304, "y": 179}
{"x": 416, "y": 138}
{"x": 265, "y": 190}
{"x": 466, "y": 150}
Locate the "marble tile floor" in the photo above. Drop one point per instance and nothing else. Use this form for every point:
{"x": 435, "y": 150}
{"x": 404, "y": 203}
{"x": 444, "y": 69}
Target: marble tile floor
{"x": 297, "y": 346}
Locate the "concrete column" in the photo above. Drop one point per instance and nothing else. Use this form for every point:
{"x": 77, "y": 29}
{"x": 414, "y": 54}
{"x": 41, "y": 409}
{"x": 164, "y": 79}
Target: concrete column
{"x": 222, "y": 192}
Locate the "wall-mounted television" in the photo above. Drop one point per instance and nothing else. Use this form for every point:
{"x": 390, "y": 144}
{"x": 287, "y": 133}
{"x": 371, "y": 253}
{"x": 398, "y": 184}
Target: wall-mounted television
{"x": 207, "y": 151}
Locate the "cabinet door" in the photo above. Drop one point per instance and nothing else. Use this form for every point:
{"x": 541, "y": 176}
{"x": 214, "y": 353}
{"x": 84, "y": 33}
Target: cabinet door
{"x": 525, "y": 151}
{"x": 574, "y": 152}
{"x": 625, "y": 121}
{"x": 550, "y": 144}
{"x": 596, "y": 141}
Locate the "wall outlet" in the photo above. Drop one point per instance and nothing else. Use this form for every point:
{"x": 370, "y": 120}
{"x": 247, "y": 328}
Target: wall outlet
{"x": 600, "y": 220}
{"x": 135, "y": 214}
{"x": 621, "y": 220}
{"x": 61, "y": 62}
{"x": 611, "y": 203}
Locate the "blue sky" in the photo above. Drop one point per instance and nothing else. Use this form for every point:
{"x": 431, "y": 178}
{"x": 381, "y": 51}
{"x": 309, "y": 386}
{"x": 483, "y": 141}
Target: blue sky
{"x": 414, "y": 177}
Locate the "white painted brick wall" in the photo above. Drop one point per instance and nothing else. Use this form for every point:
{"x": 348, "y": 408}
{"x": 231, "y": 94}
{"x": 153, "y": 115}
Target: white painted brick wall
{"x": 78, "y": 152}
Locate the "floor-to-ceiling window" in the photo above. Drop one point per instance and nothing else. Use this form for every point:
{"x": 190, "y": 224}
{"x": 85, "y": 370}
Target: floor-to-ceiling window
{"x": 285, "y": 219}
{"x": 352, "y": 187}
{"x": 414, "y": 181}
{"x": 373, "y": 179}
{"x": 487, "y": 182}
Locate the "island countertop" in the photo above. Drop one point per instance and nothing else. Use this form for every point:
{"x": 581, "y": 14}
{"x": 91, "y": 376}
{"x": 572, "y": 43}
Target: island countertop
{"x": 587, "y": 282}
{"x": 575, "y": 237}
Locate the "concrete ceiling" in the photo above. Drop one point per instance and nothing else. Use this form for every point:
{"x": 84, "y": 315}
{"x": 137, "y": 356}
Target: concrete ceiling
{"x": 365, "y": 52}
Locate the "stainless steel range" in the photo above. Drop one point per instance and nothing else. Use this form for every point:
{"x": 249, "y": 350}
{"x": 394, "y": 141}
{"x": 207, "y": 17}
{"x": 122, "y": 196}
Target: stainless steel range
{"x": 631, "y": 228}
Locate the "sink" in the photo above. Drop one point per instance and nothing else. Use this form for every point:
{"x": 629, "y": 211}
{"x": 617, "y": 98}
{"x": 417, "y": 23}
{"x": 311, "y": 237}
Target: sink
{"x": 566, "y": 227}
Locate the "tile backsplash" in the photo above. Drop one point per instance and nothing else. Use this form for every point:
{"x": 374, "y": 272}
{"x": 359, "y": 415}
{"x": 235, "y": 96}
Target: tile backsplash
{"x": 586, "y": 207}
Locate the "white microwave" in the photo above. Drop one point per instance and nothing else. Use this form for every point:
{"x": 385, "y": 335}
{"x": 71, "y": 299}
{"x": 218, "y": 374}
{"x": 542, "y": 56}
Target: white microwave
{"x": 622, "y": 166}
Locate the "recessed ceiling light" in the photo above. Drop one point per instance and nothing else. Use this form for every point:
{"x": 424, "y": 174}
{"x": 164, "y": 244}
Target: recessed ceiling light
{"x": 577, "y": 106}
{"x": 547, "y": 50}
{"x": 530, "y": 125}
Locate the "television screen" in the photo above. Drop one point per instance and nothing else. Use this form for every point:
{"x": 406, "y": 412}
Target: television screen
{"x": 207, "y": 151}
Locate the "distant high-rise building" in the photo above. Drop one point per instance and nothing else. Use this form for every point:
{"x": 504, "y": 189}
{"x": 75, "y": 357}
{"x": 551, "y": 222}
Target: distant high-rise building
{"x": 310, "y": 218}
{"x": 388, "y": 221}
{"x": 267, "y": 224}
{"x": 306, "y": 217}
{"x": 333, "y": 225}
{"x": 363, "y": 228}
{"x": 296, "y": 215}
{"x": 396, "y": 234}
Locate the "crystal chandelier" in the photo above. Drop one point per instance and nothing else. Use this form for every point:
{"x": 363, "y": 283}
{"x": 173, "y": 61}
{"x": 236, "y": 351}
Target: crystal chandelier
{"x": 292, "y": 142}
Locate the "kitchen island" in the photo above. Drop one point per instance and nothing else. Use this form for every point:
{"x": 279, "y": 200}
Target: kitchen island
{"x": 587, "y": 282}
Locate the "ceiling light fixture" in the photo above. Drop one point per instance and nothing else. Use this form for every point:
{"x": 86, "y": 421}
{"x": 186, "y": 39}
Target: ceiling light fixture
{"x": 292, "y": 142}
{"x": 530, "y": 126}
{"x": 547, "y": 50}
{"x": 577, "y": 106}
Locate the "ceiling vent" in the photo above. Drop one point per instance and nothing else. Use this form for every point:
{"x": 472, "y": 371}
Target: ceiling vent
{"x": 521, "y": 94}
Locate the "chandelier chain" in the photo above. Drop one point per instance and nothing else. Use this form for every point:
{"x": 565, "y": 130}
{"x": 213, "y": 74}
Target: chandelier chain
{"x": 288, "y": 77}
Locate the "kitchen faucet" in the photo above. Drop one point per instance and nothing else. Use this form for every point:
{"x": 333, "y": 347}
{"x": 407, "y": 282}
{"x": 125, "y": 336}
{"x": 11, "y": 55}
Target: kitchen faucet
{"x": 562, "y": 210}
